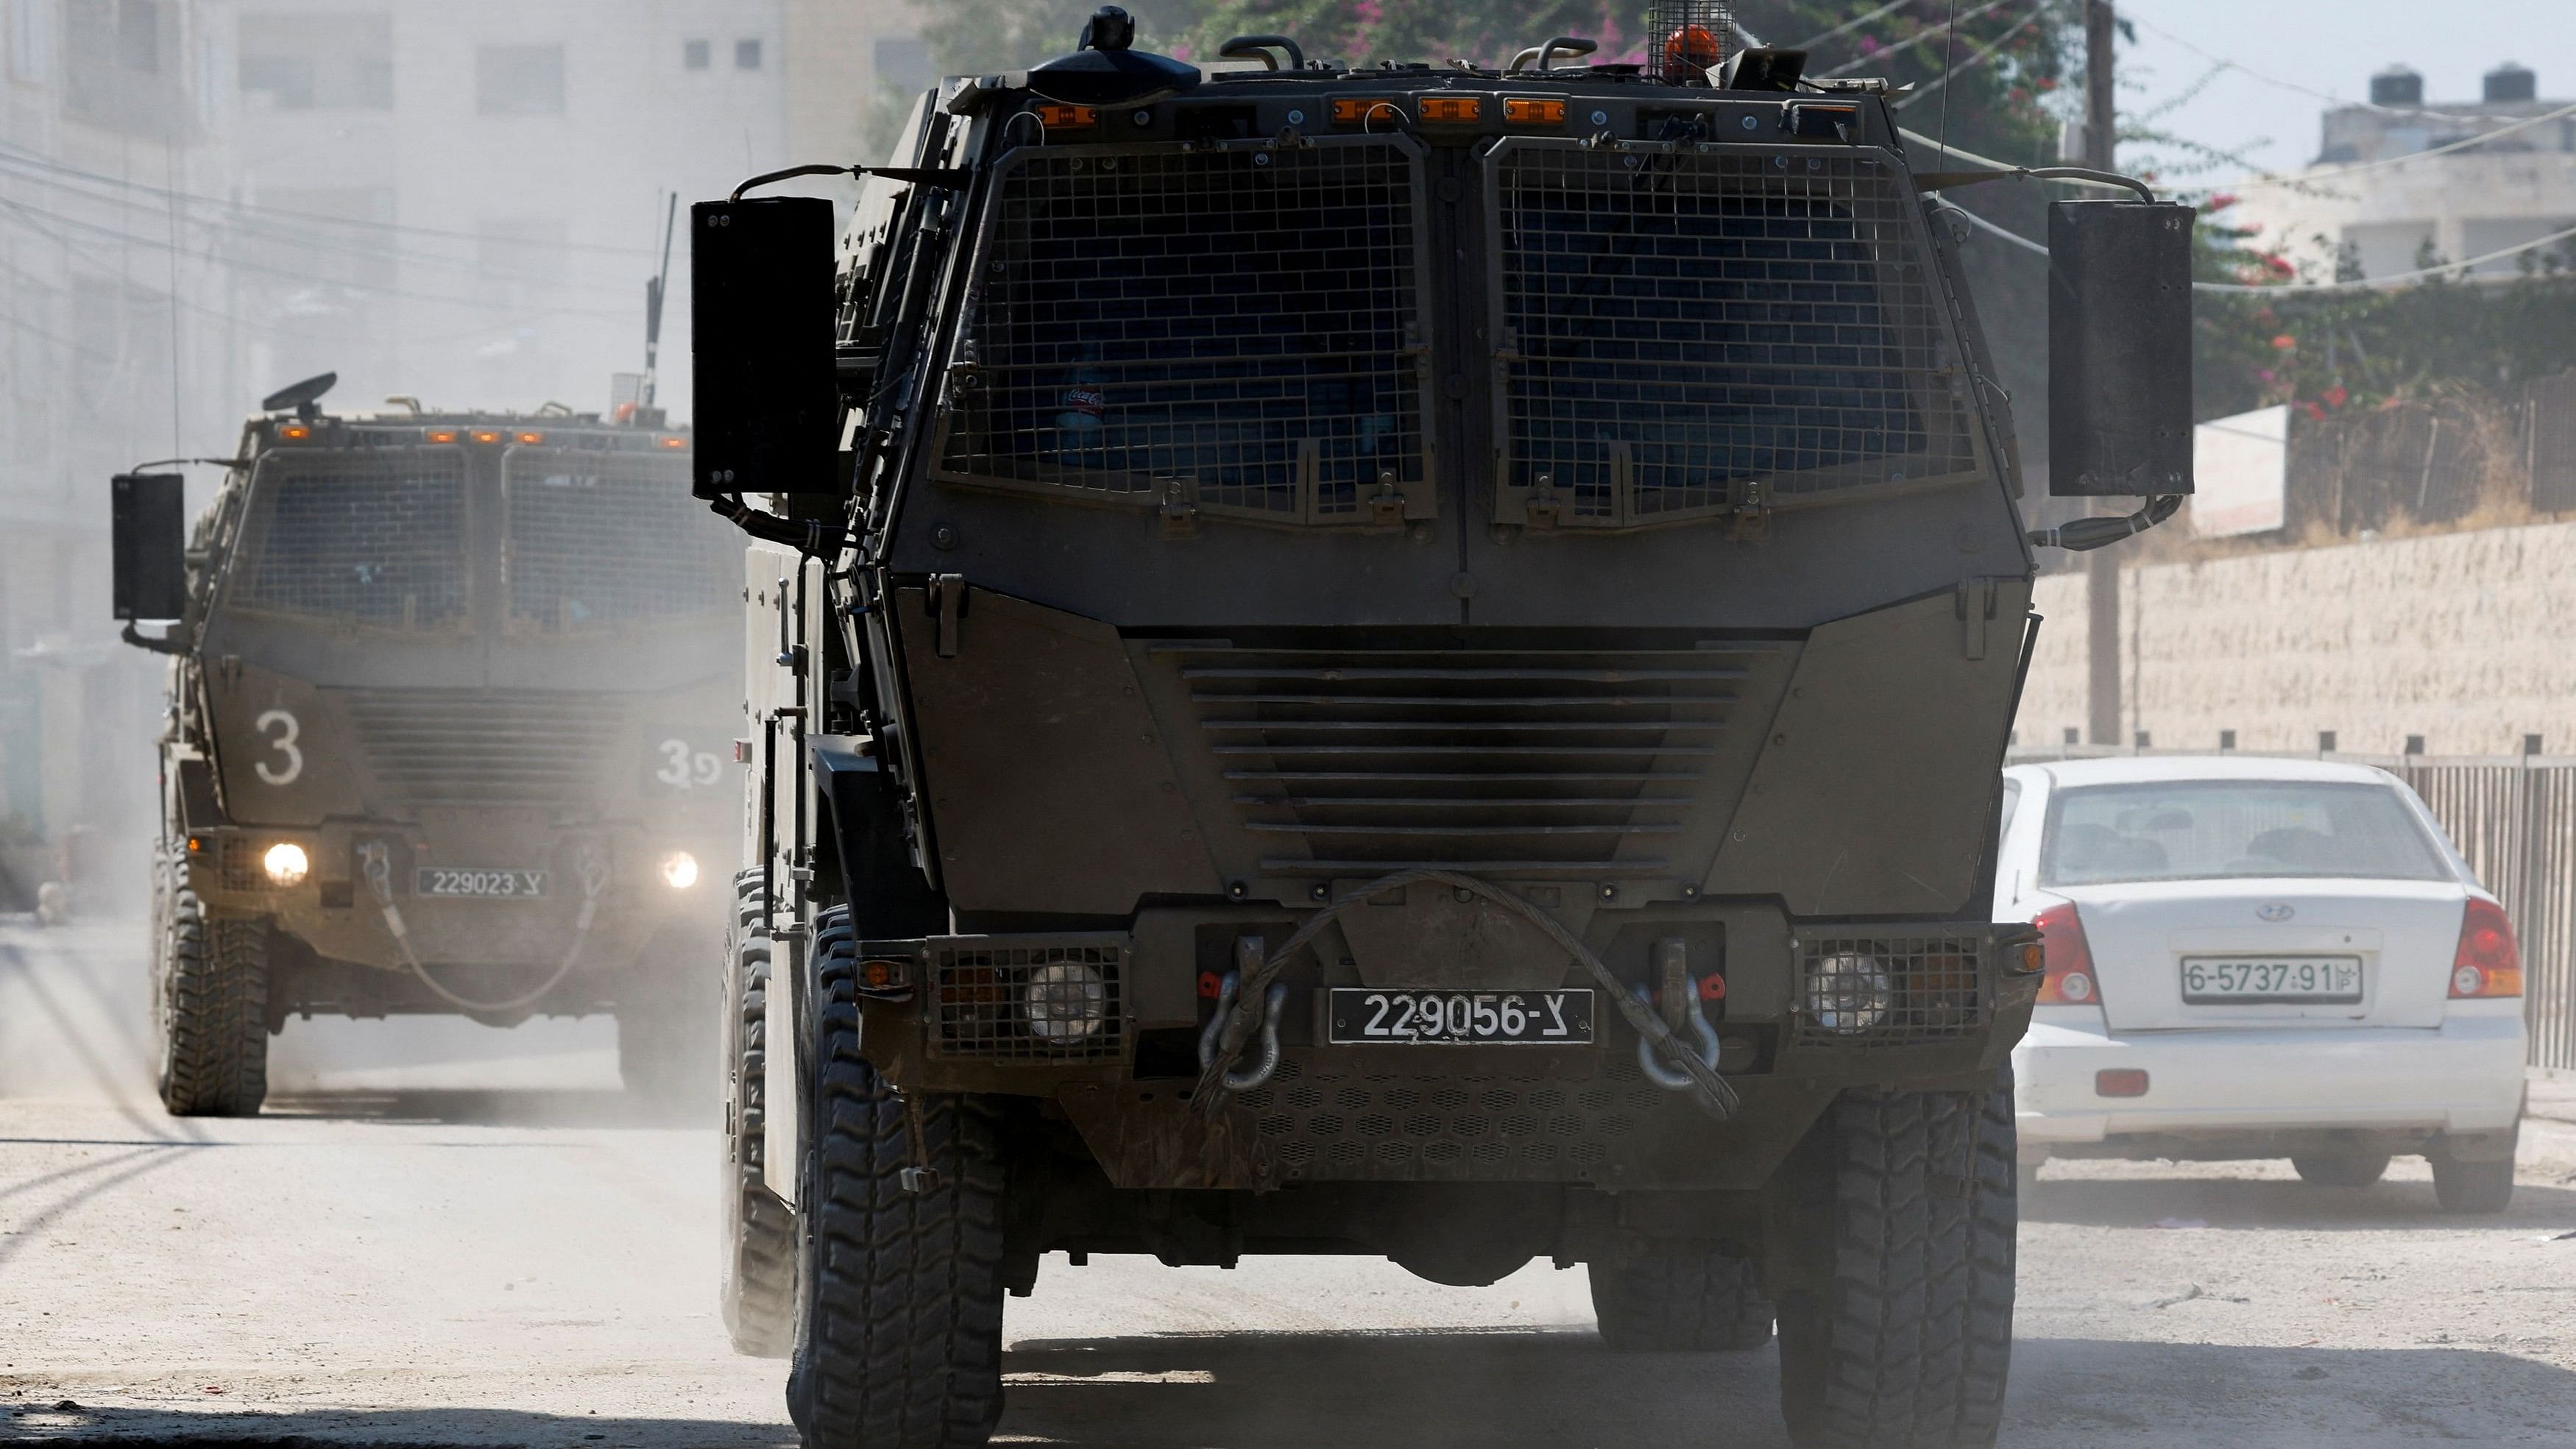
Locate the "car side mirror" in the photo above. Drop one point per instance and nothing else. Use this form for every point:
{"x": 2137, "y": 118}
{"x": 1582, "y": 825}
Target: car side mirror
{"x": 2119, "y": 349}
{"x": 147, "y": 546}
{"x": 761, "y": 323}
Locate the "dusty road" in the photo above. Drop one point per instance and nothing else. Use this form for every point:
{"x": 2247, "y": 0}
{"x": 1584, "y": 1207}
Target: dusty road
{"x": 390, "y": 1259}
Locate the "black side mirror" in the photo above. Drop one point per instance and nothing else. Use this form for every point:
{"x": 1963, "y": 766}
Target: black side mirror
{"x": 761, "y": 323}
{"x": 2119, "y": 348}
{"x": 147, "y": 546}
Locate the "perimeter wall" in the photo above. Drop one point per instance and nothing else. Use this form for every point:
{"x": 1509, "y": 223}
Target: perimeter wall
{"x": 2467, "y": 639}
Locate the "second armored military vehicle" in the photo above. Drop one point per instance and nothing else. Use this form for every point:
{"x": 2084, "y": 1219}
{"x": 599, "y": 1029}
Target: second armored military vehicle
{"x": 451, "y": 705}
{"x": 1405, "y": 661}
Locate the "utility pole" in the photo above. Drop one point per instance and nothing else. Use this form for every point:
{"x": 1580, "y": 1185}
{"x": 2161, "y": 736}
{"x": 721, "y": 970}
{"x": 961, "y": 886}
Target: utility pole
{"x": 2102, "y": 565}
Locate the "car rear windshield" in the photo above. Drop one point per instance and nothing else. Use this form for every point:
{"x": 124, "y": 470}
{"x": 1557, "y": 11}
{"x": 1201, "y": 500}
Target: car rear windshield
{"x": 2234, "y": 829}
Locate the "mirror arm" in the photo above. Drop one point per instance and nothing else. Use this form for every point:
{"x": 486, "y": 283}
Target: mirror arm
{"x": 2084, "y": 534}
{"x": 813, "y": 537}
{"x": 942, "y": 177}
{"x": 1946, "y": 180}
{"x": 170, "y": 643}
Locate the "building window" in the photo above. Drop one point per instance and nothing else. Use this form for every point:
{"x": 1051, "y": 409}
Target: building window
{"x": 309, "y": 61}
{"x": 31, "y": 41}
{"x": 903, "y": 63}
{"x": 746, "y": 55}
{"x": 519, "y": 80}
{"x": 114, "y": 50}
{"x": 695, "y": 54}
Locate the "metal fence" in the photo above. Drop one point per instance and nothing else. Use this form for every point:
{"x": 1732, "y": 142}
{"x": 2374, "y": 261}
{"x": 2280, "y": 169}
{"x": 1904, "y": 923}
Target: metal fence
{"x": 2514, "y": 818}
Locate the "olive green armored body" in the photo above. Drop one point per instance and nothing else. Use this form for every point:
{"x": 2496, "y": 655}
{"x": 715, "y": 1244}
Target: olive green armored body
{"x": 1407, "y": 662}
{"x": 451, "y": 697}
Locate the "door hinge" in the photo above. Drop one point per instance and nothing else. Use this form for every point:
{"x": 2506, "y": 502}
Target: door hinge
{"x": 1976, "y": 610}
{"x": 946, "y": 601}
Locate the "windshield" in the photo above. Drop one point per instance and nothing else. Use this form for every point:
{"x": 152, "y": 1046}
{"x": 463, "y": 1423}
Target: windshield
{"x": 2229, "y": 829}
{"x": 1237, "y": 325}
{"x": 1680, "y": 327}
{"x": 375, "y": 537}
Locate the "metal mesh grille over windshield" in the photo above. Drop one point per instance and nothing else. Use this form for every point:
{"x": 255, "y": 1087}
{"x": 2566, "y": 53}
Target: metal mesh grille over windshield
{"x": 379, "y": 538}
{"x": 596, "y": 538}
{"x": 1232, "y": 329}
{"x": 1691, "y": 330}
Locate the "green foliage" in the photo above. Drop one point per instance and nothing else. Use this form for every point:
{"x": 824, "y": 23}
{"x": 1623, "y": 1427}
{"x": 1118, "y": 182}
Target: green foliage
{"x": 2332, "y": 352}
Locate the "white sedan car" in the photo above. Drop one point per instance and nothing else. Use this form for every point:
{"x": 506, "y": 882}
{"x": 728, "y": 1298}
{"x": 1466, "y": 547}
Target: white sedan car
{"x": 2260, "y": 958}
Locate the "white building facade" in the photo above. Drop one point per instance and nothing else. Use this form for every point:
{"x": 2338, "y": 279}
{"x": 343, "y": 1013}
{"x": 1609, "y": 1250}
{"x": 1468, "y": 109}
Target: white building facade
{"x": 2387, "y": 195}
{"x": 203, "y": 200}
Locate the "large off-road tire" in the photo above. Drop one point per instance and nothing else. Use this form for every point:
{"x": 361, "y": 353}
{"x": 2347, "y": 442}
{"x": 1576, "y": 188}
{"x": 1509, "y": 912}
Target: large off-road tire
{"x": 1703, "y": 1303}
{"x": 209, "y": 1005}
{"x": 1907, "y": 1344}
{"x": 759, "y": 1292}
{"x": 2472, "y": 1187}
{"x": 2341, "y": 1169}
{"x": 899, "y": 1305}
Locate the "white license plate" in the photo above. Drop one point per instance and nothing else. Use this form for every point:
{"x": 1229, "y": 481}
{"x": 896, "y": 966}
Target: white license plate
{"x": 1358, "y": 1016}
{"x": 2233, "y": 980}
{"x": 490, "y": 885}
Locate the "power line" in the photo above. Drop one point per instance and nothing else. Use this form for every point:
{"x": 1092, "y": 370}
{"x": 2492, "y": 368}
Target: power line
{"x": 301, "y": 217}
{"x": 2332, "y": 173}
{"x": 1911, "y": 41}
{"x": 2329, "y": 97}
{"x": 1971, "y": 63}
{"x": 1848, "y": 26}
{"x": 23, "y": 211}
{"x": 262, "y": 231}
{"x": 2294, "y": 289}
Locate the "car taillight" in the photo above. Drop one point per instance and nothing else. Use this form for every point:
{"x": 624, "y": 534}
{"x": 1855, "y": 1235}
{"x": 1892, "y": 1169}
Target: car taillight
{"x": 2069, "y": 980}
{"x": 2487, "y": 963}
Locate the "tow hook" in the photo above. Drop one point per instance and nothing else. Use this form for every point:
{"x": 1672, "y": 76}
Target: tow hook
{"x": 1236, "y": 1021}
{"x": 1680, "y": 1007}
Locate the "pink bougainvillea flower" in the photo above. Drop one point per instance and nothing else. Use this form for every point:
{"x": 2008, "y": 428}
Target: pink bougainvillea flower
{"x": 2335, "y": 396}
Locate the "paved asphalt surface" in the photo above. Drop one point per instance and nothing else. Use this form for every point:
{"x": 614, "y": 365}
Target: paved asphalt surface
{"x": 472, "y": 1238}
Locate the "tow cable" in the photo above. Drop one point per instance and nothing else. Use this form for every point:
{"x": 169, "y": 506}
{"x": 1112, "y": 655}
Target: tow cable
{"x": 1249, "y": 1000}
{"x": 375, "y": 860}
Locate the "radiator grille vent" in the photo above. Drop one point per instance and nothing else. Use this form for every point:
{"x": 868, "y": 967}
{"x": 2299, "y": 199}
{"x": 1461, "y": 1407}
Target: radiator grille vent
{"x": 1230, "y": 328}
{"x": 505, "y": 747}
{"x": 1033, "y": 1001}
{"x": 1867, "y": 990}
{"x": 596, "y": 539}
{"x": 378, "y": 538}
{"x": 1484, "y": 760}
{"x": 1328, "y": 1121}
{"x": 1685, "y": 328}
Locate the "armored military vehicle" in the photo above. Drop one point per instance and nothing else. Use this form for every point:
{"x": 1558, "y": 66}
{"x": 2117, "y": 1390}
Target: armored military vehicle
{"x": 1405, "y": 661}
{"x": 450, "y": 711}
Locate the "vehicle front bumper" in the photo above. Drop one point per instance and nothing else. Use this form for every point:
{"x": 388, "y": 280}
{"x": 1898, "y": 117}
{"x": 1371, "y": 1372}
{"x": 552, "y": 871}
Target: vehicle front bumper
{"x": 2241, "y": 1093}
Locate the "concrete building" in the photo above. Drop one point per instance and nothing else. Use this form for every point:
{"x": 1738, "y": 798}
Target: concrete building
{"x": 202, "y": 200}
{"x": 2375, "y": 203}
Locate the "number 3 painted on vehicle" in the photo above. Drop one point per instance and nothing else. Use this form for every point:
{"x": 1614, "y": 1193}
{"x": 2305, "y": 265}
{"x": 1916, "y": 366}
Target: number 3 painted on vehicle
{"x": 285, "y": 732}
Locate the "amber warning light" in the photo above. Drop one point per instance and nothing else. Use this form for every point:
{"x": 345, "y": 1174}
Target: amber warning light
{"x": 1452, "y": 110}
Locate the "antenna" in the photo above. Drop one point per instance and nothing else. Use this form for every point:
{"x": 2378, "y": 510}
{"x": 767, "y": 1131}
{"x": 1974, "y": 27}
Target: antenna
{"x": 653, "y": 290}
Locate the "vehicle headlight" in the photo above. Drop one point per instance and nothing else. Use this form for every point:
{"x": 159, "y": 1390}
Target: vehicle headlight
{"x": 679, "y": 870}
{"x": 285, "y": 863}
{"x": 1065, "y": 1001}
{"x": 1848, "y": 992}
